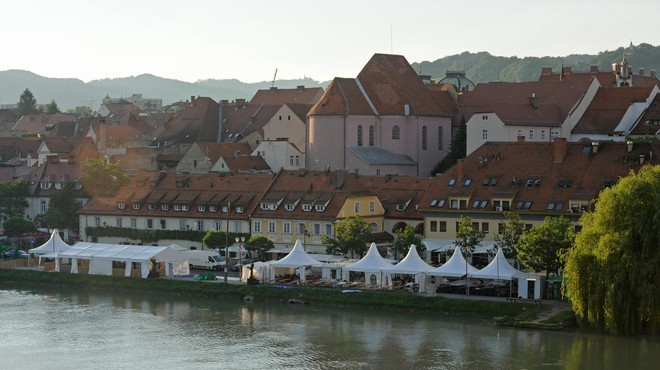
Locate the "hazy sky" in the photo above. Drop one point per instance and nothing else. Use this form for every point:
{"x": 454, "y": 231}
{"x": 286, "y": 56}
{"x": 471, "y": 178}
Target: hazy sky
{"x": 247, "y": 40}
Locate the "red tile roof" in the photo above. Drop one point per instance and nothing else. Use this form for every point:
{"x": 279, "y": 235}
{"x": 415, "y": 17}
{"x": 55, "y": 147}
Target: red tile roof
{"x": 276, "y": 96}
{"x": 42, "y": 123}
{"x": 198, "y": 122}
{"x": 649, "y": 122}
{"x": 242, "y": 120}
{"x": 605, "y": 78}
{"x": 607, "y": 108}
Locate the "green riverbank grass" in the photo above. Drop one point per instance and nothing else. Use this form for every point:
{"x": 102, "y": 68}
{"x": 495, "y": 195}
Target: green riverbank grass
{"x": 218, "y": 290}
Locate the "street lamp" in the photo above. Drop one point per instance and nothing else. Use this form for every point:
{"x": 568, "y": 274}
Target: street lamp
{"x": 305, "y": 235}
{"x": 465, "y": 250}
{"x": 240, "y": 266}
{"x": 227, "y": 244}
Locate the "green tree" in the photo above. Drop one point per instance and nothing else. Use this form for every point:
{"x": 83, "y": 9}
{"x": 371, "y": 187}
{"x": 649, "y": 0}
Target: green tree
{"x": 12, "y": 198}
{"x": 102, "y": 179}
{"x": 541, "y": 247}
{"x": 81, "y": 109}
{"x": 405, "y": 237}
{"x": 62, "y": 210}
{"x": 27, "y": 104}
{"x": 351, "y": 237}
{"x": 457, "y": 150}
{"x": 512, "y": 230}
{"x": 468, "y": 236}
{"x": 216, "y": 239}
{"x": 17, "y": 226}
{"x": 259, "y": 244}
{"x": 52, "y": 108}
{"x": 612, "y": 270}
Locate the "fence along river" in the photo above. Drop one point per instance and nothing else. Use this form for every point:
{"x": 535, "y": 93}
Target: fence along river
{"x": 57, "y": 328}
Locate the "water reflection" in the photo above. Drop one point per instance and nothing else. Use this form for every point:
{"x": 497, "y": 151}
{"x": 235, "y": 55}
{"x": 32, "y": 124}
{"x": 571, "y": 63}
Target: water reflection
{"x": 112, "y": 330}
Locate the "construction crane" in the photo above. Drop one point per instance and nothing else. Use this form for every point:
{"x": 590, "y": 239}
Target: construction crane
{"x": 274, "y": 77}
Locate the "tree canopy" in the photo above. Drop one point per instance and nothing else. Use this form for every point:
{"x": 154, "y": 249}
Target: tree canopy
{"x": 541, "y": 247}
{"x": 12, "y": 198}
{"x": 512, "y": 230}
{"x": 62, "y": 210}
{"x": 27, "y": 104}
{"x": 52, "y": 108}
{"x": 102, "y": 179}
{"x": 216, "y": 239}
{"x": 17, "y": 226}
{"x": 468, "y": 236}
{"x": 457, "y": 150}
{"x": 259, "y": 244}
{"x": 351, "y": 237}
{"x": 406, "y": 237}
{"x": 613, "y": 268}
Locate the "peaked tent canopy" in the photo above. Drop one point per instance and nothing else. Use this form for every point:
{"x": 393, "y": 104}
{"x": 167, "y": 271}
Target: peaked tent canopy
{"x": 498, "y": 269}
{"x": 297, "y": 258}
{"x": 371, "y": 262}
{"x": 411, "y": 264}
{"x": 455, "y": 267}
{"x": 53, "y": 246}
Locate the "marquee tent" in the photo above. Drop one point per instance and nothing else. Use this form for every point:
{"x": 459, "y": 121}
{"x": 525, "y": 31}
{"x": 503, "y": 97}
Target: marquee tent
{"x": 50, "y": 248}
{"x": 372, "y": 265}
{"x": 455, "y": 267}
{"x": 412, "y": 264}
{"x": 498, "y": 269}
{"x": 101, "y": 256}
{"x": 297, "y": 258}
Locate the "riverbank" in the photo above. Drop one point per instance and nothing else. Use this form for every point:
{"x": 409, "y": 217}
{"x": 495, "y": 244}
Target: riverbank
{"x": 508, "y": 312}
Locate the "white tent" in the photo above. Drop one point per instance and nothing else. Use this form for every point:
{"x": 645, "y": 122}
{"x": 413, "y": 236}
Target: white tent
{"x": 50, "y": 248}
{"x": 455, "y": 267}
{"x": 297, "y": 258}
{"x": 101, "y": 256}
{"x": 259, "y": 271}
{"x": 372, "y": 264}
{"x": 412, "y": 264}
{"x": 498, "y": 269}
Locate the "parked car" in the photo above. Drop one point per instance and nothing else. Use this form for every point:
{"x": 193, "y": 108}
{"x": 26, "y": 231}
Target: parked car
{"x": 11, "y": 254}
{"x": 244, "y": 262}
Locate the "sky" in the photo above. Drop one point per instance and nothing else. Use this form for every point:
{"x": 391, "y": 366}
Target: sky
{"x": 248, "y": 40}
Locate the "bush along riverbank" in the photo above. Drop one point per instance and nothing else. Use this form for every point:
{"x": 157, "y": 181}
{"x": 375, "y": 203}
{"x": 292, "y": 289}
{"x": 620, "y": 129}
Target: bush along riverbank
{"x": 506, "y": 312}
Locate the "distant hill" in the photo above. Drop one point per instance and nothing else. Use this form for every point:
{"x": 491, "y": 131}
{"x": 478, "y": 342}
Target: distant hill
{"x": 479, "y": 67}
{"x": 484, "y": 67}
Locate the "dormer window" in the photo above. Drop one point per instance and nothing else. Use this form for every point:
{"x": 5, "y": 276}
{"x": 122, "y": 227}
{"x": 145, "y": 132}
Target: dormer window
{"x": 213, "y": 209}
{"x": 307, "y": 207}
{"x": 452, "y": 181}
{"x": 136, "y": 206}
{"x": 164, "y": 207}
{"x": 225, "y": 209}
{"x": 467, "y": 182}
{"x": 434, "y": 202}
{"x": 239, "y": 209}
{"x": 441, "y": 203}
{"x": 320, "y": 208}
{"x": 185, "y": 207}
{"x": 289, "y": 207}
{"x": 177, "y": 208}
{"x": 59, "y": 185}
{"x": 45, "y": 185}
{"x": 264, "y": 206}
{"x": 201, "y": 208}
{"x": 151, "y": 207}
{"x": 400, "y": 207}
{"x": 77, "y": 186}
{"x": 121, "y": 205}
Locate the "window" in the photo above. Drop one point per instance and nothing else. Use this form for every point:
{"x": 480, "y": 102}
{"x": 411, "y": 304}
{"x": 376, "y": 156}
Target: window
{"x": 453, "y": 204}
{"x": 45, "y": 185}
{"x": 133, "y": 223}
{"x": 440, "y": 137}
{"x": 520, "y": 133}
{"x": 433, "y": 227}
{"x": 452, "y": 181}
{"x": 177, "y": 207}
{"x": 182, "y": 224}
{"x": 201, "y": 208}
{"x": 484, "y": 134}
{"x": 443, "y": 226}
{"x": 301, "y": 228}
{"x": 121, "y": 206}
{"x": 441, "y": 203}
{"x": 551, "y": 206}
{"x": 164, "y": 207}
{"x": 286, "y": 228}
{"x": 119, "y": 222}
{"x": 371, "y": 135}
{"x": 288, "y": 118}
{"x": 97, "y": 221}
{"x": 500, "y": 228}
{"x": 328, "y": 229}
{"x": 531, "y": 134}
{"x": 200, "y": 225}
{"x": 150, "y": 224}
{"x": 372, "y": 206}
{"x": 271, "y": 227}
{"x": 213, "y": 209}
{"x": 279, "y": 118}
{"x": 395, "y": 132}
{"x": 291, "y": 160}
{"x": 289, "y": 206}
{"x": 163, "y": 224}
{"x": 136, "y": 206}
{"x": 43, "y": 205}
{"x": 297, "y": 162}
{"x": 467, "y": 182}
{"x": 307, "y": 207}
{"x": 359, "y": 135}
{"x": 151, "y": 207}
{"x": 357, "y": 207}
{"x": 238, "y": 227}
{"x": 320, "y": 208}
{"x": 400, "y": 207}
{"x": 256, "y": 227}
{"x": 542, "y": 134}
{"x": 317, "y": 229}
{"x": 485, "y": 227}
{"x": 239, "y": 209}
{"x": 218, "y": 225}
{"x": 424, "y": 138}
{"x": 484, "y": 117}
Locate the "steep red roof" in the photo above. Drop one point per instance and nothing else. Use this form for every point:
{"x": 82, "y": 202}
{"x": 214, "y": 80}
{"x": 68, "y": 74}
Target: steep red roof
{"x": 241, "y": 120}
{"x": 608, "y": 107}
{"x": 198, "y": 122}
{"x": 605, "y": 78}
{"x": 343, "y": 97}
{"x": 649, "y": 123}
{"x": 42, "y": 122}
{"x": 277, "y": 96}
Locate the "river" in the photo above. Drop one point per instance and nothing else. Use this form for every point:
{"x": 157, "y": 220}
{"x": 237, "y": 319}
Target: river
{"x": 55, "y": 328}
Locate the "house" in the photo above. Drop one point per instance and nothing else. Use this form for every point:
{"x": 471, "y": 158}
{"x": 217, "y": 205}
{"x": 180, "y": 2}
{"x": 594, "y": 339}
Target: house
{"x": 177, "y": 202}
{"x": 280, "y": 154}
{"x": 648, "y": 123}
{"x": 15, "y": 151}
{"x": 535, "y": 180}
{"x": 242, "y": 122}
{"x": 203, "y": 157}
{"x": 383, "y": 121}
{"x": 41, "y": 123}
{"x": 288, "y": 122}
{"x": 199, "y": 121}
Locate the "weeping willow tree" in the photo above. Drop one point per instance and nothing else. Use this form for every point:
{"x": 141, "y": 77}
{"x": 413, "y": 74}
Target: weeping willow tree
{"x": 613, "y": 269}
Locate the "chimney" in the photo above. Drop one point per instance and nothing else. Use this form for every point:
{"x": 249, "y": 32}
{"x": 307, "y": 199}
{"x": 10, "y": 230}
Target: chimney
{"x": 300, "y": 88}
{"x": 460, "y": 168}
{"x": 594, "y": 147}
{"x": 241, "y": 101}
{"x": 593, "y": 69}
{"x": 532, "y": 101}
{"x": 546, "y": 71}
{"x": 653, "y": 73}
{"x": 224, "y": 102}
{"x": 192, "y": 98}
{"x": 559, "y": 150}
{"x": 567, "y": 70}
{"x": 520, "y": 139}
{"x": 340, "y": 179}
{"x": 273, "y": 89}
{"x": 630, "y": 145}
{"x": 641, "y": 71}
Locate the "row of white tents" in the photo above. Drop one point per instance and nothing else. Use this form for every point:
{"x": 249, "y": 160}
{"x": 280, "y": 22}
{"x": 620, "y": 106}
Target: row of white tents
{"x": 377, "y": 270}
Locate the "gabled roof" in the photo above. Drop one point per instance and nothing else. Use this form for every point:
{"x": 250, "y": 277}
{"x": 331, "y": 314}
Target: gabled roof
{"x": 14, "y": 147}
{"x": 197, "y": 122}
{"x": 239, "y": 121}
{"x": 42, "y": 122}
{"x": 386, "y": 84}
{"x": 605, "y": 78}
{"x": 214, "y": 151}
{"x": 277, "y": 96}
{"x": 649, "y": 122}
{"x": 376, "y": 155}
{"x": 246, "y": 163}
{"x": 608, "y": 108}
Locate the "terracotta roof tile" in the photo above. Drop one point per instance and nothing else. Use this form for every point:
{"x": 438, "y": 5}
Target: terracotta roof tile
{"x": 277, "y": 96}
{"x": 607, "y": 109}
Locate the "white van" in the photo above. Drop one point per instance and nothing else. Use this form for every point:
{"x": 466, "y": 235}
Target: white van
{"x": 209, "y": 260}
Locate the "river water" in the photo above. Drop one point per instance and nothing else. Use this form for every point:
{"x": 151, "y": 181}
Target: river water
{"x": 47, "y": 328}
